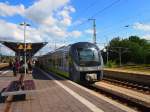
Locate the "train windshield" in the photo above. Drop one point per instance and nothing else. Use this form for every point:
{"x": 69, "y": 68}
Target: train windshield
{"x": 88, "y": 55}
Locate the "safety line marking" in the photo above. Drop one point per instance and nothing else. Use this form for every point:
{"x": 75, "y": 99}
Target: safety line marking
{"x": 84, "y": 101}
{"x": 121, "y": 106}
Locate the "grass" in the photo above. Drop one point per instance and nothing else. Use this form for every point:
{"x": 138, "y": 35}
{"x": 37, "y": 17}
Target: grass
{"x": 135, "y": 68}
{"x": 65, "y": 74}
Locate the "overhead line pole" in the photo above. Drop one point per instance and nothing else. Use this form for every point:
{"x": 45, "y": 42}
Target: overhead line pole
{"x": 120, "y": 52}
{"x": 100, "y": 11}
{"x": 94, "y": 30}
{"x": 0, "y": 53}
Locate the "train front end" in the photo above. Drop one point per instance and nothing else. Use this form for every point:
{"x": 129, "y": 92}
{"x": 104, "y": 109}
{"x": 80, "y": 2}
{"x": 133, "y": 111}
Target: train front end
{"x": 88, "y": 62}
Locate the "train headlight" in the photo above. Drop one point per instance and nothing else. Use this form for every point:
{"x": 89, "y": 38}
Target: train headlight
{"x": 100, "y": 68}
{"x": 91, "y": 76}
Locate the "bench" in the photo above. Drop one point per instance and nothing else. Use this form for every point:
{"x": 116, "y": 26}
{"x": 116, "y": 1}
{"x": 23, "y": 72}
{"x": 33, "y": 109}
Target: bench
{"x": 13, "y": 89}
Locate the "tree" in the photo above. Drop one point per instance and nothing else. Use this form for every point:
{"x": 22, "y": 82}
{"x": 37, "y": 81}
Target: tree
{"x": 136, "y": 50}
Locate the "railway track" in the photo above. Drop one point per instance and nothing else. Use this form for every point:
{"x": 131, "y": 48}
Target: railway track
{"x": 129, "y": 85}
{"x": 138, "y": 105}
{"x": 124, "y": 101}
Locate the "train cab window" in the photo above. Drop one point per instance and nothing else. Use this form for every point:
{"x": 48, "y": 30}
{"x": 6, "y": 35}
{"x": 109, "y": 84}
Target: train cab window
{"x": 88, "y": 54}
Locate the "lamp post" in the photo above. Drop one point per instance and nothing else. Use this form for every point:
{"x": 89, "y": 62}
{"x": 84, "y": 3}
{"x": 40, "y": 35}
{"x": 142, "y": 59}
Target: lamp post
{"x": 24, "y": 24}
{"x": 107, "y": 54}
{"x": 0, "y": 53}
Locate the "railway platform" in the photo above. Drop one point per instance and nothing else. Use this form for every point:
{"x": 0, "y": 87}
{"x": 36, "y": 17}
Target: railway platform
{"x": 128, "y": 71}
{"x": 56, "y": 95}
{"x": 129, "y": 94}
{"x": 3, "y": 65}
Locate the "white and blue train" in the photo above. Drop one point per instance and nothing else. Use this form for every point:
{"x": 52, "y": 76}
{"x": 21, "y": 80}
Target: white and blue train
{"x": 80, "y": 62}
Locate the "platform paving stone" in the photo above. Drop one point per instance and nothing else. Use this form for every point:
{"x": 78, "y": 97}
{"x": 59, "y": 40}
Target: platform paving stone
{"x": 49, "y": 97}
{"x": 98, "y": 102}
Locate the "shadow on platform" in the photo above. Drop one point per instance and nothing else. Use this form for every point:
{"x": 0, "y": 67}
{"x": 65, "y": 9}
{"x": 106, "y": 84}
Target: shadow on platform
{"x": 15, "y": 98}
{"x": 19, "y": 98}
{"x": 2, "y": 98}
{"x": 37, "y": 74}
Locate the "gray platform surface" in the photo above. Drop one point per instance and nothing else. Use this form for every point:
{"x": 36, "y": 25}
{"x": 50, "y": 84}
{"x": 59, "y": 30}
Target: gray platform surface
{"x": 53, "y": 97}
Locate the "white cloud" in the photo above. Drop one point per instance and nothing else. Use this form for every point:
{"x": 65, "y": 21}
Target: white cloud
{"x": 75, "y": 34}
{"x": 51, "y": 18}
{"x": 147, "y": 36}
{"x": 101, "y": 46}
{"x": 43, "y": 9}
{"x": 89, "y": 31}
{"x": 6, "y": 51}
{"x": 14, "y": 32}
{"x": 76, "y": 23}
{"x": 49, "y": 21}
{"x": 10, "y": 10}
{"x": 9, "y": 31}
{"x": 141, "y": 26}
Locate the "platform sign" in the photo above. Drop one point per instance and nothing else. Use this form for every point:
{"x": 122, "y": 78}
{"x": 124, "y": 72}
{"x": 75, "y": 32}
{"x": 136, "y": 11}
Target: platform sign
{"x": 20, "y": 46}
{"x": 28, "y": 47}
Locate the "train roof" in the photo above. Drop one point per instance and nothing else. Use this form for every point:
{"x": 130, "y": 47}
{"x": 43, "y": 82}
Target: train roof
{"x": 65, "y": 49}
{"x": 84, "y": 44}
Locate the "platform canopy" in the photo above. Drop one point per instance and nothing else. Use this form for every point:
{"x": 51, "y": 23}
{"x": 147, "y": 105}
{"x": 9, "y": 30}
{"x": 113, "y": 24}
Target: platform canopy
{"x": 19, "y": 48}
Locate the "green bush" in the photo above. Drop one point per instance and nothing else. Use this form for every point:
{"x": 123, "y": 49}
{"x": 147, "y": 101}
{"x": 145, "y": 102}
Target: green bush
{"x": 111, "y": 64}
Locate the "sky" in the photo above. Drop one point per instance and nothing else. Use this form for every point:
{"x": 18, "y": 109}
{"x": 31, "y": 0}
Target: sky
{"x": 62, "y": 22}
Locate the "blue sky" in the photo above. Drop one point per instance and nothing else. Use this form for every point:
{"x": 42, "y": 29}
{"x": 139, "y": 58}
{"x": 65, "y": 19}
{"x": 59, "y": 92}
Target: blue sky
{"x": 66, "y": 21}
{"x": 111, "y": 22}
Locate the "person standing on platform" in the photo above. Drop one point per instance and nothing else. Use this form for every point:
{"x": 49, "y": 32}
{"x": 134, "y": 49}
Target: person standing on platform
{"x": 22, "y": 73}
{"x": 30, "y": 66}
{"x": 10, "y": 64}
{"x": 16, "y": 66}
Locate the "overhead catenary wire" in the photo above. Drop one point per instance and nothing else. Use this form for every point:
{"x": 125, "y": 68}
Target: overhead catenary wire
{"x": 102, "y": 10}
{"x": 121, "y": 21}
{"x": 105, "y": 8}
{"x": 98, "y": 12}
{"x": 110, "y": 26}
{"x": 87, "y": 8}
